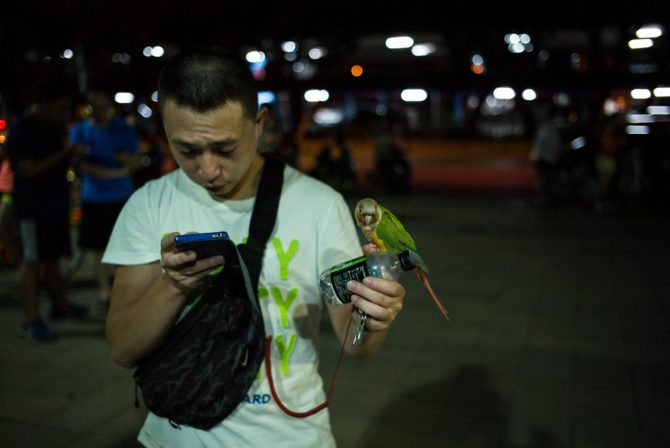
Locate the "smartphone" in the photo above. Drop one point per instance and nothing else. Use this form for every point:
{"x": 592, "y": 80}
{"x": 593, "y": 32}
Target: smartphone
{"x": 208, "y": 245}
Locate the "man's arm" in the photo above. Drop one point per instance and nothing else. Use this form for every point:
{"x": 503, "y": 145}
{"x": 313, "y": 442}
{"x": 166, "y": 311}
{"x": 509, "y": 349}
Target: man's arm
{"x": 132, "y": 162}
{"x": 380, "y": 299}
{"x": 95, "y": 170}
{"x": 32, "y": 168}
{"x": 147, "y": 300}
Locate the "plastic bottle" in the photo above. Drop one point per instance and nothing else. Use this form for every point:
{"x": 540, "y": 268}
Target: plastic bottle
{"x": 333, "y": 281}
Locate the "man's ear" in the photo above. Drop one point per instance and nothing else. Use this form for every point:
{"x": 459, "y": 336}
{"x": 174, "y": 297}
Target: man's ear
{"x": 260, "y": 120}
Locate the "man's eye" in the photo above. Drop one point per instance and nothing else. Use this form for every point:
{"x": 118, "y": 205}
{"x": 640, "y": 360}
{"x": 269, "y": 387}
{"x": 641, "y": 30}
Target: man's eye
{"x": 189, "y": 154}
{"x": 225, "y": 151}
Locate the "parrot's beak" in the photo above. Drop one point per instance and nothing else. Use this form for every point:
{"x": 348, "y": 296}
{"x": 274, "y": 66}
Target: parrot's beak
{"x": 367, "y": 218}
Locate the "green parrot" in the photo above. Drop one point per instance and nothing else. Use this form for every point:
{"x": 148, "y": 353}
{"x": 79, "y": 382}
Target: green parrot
{"x": 384, "y": 230}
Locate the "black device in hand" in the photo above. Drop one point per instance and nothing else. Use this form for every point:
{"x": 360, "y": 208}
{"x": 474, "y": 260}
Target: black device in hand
{"x": 208, "y": 245}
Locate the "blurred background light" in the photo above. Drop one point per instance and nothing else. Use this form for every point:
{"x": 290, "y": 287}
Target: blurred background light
{"x": 266, "y": 97}
{"x": 649, "y": 32}
{"x": 124, "y": 97}
{"x": 578, "y": 143}
{"x": 398, "y": 42}
{"x": 157, "y": 51}
{"x": 423, "y": 49}
{"x": 658, "y": 110}
{"x": 255, "y": 56}
{"x": 144, "y": 110}
{"x": 289, "y": 46}
{"x": 414, "y": 95}
{"x": 640, "y": 118}
{"x": 636, "y": 44}
{"x": 317, "y": 52}
{"x": 529, "y": 94}
{"x": 316, "y": 95}
{"x": 328, "y": 116}
{"x": 504, "y": 93}
{"x": 640, "y": 94}
{"x": 637, "y": 130}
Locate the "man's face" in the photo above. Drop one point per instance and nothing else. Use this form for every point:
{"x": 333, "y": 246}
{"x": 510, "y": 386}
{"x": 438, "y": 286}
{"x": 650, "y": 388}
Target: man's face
{"x": 216, "y": 149}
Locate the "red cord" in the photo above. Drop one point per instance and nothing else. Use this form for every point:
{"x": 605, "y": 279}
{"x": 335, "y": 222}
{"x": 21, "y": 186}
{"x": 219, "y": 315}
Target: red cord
{"x": 275, "y": 396}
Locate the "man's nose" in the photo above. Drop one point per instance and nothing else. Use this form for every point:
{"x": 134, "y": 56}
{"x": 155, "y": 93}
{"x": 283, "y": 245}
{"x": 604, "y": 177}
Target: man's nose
{"x": 210, "y": 167}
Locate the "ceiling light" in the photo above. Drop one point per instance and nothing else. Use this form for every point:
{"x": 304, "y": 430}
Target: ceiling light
{"x": 413, "y": 95}
{"x": 504, "y": 93}
{"x": 649, "y": 32}
{"x": 423, "y": 49}
{"x": 124, "y": 97}
{"x": 640, "y": 94}
{"x": 397, "y": 42}
{"x": 636, "y": 44}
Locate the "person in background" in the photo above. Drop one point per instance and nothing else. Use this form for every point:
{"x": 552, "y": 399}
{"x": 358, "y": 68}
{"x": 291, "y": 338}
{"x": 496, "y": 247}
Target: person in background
{"x": 335, "y": 164}
{"x": 612, "y": 146}
{"x": 9, "y": 231}
{"x": 393, "y": 172}
{"x": 10, "y": 246}
{"x": 151, "y": 153}
{"x": 274, "y": 140}
{"x": 547, "y": 149}
{"x": 40, "y": 156}
{"x": 106, "y": 180}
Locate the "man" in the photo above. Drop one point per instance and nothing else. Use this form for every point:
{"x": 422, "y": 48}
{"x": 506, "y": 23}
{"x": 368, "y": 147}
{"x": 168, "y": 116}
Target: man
{"x": 106, "y": 180}
{"x": 40, "y": 158}
{"x": 212, "y": 122}
{"x": 546, "y": 153}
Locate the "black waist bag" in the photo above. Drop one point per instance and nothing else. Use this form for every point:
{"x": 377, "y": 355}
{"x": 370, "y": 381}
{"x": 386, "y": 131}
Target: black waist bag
{"x": 203, "y": 369}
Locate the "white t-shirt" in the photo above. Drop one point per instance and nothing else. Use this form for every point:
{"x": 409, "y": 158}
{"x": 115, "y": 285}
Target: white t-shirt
{"x": 313, "y": 232}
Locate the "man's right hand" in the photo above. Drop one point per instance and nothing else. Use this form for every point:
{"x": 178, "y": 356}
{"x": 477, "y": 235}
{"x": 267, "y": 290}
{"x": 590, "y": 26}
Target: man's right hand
{"x": 183, "y": 270}
{"x": 147, "y": 300}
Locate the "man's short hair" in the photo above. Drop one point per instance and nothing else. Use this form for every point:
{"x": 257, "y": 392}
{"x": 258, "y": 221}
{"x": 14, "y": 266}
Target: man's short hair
{"x": 205, "y": 79}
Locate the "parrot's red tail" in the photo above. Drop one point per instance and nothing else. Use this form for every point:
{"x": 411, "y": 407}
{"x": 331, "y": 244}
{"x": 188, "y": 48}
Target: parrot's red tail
{"x": 426, "y": 283}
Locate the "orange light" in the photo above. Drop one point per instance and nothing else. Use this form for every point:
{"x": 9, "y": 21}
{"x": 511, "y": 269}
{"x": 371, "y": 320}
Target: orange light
{"x": 3, "y": 124}
{"x": 477, "y": 69}
{"x": 356, "y": 70}
{"x": 620, "y": 102}
{"x": 3, "y": 137}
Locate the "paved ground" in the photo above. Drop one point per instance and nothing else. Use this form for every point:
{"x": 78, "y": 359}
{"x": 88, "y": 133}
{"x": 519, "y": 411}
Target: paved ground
{"x": 559, "y": 337}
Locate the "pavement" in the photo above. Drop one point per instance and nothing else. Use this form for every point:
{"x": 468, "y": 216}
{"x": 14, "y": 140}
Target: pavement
{"x": 559, "y": 337}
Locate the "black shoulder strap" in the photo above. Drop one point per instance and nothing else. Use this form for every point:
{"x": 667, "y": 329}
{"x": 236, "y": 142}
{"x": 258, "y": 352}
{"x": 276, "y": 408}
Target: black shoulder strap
{"x": 263, "y": 216}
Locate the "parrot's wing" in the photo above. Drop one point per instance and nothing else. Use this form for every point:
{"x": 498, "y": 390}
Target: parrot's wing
{"x": 394, "y": 235}
{"x": 418, "y": 262}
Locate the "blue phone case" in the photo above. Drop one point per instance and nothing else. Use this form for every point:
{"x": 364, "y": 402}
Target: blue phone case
{"x": 207, "y": 245}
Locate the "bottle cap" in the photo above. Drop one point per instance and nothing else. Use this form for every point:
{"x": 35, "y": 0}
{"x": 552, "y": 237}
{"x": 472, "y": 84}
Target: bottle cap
{"x": 407, "y": 261}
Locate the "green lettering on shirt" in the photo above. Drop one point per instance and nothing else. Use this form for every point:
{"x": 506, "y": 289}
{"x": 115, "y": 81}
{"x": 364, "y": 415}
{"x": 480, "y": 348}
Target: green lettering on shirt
{"x": 284, "y": 257}
{"x": 285, "y": 351}
{"x": 284, "y": 305}
{"x": 262, "y": 293}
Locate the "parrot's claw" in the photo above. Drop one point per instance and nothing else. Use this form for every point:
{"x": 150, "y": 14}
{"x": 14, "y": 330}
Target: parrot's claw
{"x": 360, "y": 329}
